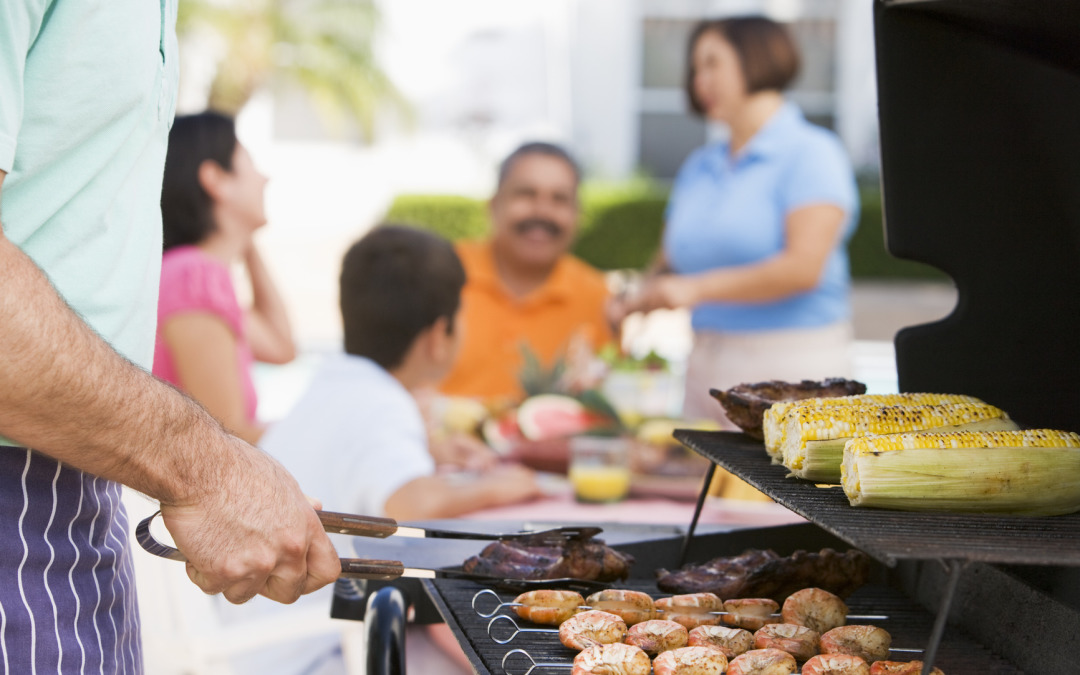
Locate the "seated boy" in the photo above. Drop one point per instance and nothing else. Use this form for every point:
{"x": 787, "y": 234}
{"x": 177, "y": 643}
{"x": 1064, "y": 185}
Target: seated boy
{"x": 356, "y": 440}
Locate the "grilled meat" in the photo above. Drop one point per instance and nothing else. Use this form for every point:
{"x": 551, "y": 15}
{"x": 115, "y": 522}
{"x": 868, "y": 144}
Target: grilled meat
{"x": 534, "y": 559}
{"x": 764, "y": 574}
{"x": 746, "y": 404}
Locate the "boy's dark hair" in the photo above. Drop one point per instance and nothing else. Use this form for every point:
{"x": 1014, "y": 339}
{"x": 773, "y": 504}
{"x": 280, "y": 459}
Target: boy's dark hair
{"x": 185, "y": 206}
{"x": 395, "y": 282}
{"x": 769, "y": 56}
{"x": 537, "y": 148}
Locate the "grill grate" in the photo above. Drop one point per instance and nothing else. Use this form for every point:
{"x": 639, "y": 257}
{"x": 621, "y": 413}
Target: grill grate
{"x": 908, "y": 624}
{"x": 891, "y": 536}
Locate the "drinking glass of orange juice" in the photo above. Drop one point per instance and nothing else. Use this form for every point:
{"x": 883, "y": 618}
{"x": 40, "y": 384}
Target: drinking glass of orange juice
{"x": 600, "y": 468}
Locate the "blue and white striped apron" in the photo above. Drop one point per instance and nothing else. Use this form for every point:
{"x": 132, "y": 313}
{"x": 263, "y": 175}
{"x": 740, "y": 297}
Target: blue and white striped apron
{"x": 67, "y": 586}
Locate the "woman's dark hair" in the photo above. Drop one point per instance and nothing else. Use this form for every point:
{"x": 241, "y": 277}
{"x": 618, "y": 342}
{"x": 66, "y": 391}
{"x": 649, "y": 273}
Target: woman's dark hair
{"x": 185, "y": 206}
{"x": 396, "y": 282}
{"x": 767, "y": 52}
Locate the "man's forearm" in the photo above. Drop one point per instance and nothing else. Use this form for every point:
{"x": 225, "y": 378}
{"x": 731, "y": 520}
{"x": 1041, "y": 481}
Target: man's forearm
{"x": 65, "y": 392}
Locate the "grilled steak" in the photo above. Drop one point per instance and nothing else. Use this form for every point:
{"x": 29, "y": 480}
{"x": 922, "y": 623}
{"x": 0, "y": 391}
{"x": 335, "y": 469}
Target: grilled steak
{"x": 764, "y": 574}
{"x": 534, "y": 559}
{"x": 746, "y": 404}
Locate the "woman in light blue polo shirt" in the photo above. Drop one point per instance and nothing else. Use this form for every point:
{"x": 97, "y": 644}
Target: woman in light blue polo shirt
{"x": 756, "y": 225}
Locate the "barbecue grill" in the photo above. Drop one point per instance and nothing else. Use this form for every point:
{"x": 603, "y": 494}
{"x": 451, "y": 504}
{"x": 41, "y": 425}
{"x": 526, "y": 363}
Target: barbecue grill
{"x": 978, "y": 104}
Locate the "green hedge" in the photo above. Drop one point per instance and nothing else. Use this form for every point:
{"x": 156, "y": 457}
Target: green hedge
{"x": 621, "y": 227}
{"x": 866, "y": 250}
{"x": 451, "y": 216}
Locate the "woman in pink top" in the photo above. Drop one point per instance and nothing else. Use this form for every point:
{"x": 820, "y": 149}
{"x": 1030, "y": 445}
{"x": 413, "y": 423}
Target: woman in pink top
{"x": 212, "y": 204}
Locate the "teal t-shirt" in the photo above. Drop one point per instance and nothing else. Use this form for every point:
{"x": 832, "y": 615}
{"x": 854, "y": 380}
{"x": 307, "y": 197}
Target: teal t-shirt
{"x": 87, "y": 96}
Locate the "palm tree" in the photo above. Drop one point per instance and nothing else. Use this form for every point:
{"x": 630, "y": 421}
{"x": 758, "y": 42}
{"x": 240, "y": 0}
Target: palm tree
{"x": 325, "y": 46}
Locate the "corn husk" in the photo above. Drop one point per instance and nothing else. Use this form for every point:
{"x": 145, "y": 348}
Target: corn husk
{"x": 1033, "y": 472}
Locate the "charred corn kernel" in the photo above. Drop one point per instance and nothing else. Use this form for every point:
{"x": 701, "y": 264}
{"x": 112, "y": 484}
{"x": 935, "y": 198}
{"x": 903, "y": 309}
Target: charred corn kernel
{"x": 814, "y": 438}
{"x": 772, "y": 424}
{"x": 1033, "y": 472}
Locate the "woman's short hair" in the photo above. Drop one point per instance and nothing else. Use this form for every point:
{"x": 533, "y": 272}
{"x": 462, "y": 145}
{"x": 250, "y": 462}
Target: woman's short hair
{"x": 185, "y": 205}
{"x": 396, "y": 282}
{"x": 767, "y": 52}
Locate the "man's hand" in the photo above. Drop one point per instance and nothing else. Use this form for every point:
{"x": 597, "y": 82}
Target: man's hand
{"x": 256, "y": 535}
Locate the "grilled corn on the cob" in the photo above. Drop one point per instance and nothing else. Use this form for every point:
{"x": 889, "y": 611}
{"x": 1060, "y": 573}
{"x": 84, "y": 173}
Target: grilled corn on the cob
{"x": 1034, "y": 472}
{"x": 814, "y": 438}
{"x": 772, "y": 424}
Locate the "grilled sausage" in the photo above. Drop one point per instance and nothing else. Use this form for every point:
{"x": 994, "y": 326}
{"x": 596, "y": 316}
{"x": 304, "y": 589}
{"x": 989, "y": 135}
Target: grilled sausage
{"x": 591, "y": 628}
{"x": 750, "y": 613}
{"x": 548, "y": 607}
{"x": 690, "y": 661}
{"x": 835, "y": 664}
{"x": 691, "y": 609}
{"x": 730, "y": 641}
{"x": 631, "y": 606}
{"x": 656, "y": 636}
{"x": 869, "y": 643}
{"x": 817, "y": 609}
{"x": 612, "y": 659}
{"x": 763, "y": 662}
{"x": 799, "y": 641}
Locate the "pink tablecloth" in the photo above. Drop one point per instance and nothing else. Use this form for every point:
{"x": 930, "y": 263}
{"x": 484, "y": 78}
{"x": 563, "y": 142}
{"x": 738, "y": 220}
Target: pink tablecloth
{"x": 562, "y": 508}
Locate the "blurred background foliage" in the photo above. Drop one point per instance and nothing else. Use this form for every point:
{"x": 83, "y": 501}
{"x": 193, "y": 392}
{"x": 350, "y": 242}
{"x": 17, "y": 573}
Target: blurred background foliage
{"x": 622, "y": 223}
{"x": 326, "y": 47}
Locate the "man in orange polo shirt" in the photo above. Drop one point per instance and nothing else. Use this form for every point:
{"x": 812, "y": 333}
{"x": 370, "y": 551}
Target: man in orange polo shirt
{"x": 523, "y": 286}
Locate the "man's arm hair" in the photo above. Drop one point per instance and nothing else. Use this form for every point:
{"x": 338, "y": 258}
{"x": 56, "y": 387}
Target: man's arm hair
{"x": 65, "y": 392}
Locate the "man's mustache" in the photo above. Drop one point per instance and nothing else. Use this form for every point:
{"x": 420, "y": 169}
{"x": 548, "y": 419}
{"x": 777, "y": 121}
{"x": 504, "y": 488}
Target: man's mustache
{"x": 526, "y": 226}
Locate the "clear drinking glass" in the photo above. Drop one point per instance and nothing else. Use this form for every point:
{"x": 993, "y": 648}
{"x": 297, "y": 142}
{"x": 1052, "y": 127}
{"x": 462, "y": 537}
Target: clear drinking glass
{"x": 600, "y": 468}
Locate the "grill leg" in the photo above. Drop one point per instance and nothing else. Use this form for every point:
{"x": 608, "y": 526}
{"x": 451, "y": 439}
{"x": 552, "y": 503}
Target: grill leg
{"x": 384, "y": 628}
{"x": 697, "y": 512}
{"x": 956, "y": 568}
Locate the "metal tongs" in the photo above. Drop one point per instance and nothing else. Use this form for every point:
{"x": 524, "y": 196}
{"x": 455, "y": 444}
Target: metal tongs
{"x": 371, "y": 526}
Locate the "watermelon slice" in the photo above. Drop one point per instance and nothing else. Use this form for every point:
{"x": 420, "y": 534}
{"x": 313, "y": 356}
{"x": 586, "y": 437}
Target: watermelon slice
{"x": 501, "y": 433}
{"x": 553, "y": 416}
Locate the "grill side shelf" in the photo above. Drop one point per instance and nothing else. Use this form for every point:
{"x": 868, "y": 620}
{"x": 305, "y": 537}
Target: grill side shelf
{"x": 891, "y": 536}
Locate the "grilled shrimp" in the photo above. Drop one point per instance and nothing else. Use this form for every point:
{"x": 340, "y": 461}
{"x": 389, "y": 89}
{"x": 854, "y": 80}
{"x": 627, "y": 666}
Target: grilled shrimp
{"x": 763, "y": 662}
{"x": 869, "y": 643}
{"x": 690, "y": 661}
{"x": 612, "y": 659}
{"x": 691, "y": 609}
{"x": 631, "y": 606}
{"x": 835, "y": 664}
{"x": 656, "y": 636}
{"x": 799, "y": 641}
{"x": 591, "y": 628}
{"x": 816, "y": 609}
{"x": 731, "y": 641}
{"x": 750, "y": 613}
{"x": 900, "y": 668}
{"x": 548, "y": 607}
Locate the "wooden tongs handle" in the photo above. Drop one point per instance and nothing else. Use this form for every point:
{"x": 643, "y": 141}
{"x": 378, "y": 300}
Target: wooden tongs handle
{"x": 362, "y": 526}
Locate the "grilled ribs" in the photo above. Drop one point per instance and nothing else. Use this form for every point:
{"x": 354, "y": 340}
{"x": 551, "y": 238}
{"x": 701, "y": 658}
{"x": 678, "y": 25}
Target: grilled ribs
{"x": 764, "y": 574}
{"x": 527, "y": 558}
{"x": 746, "y": 404}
